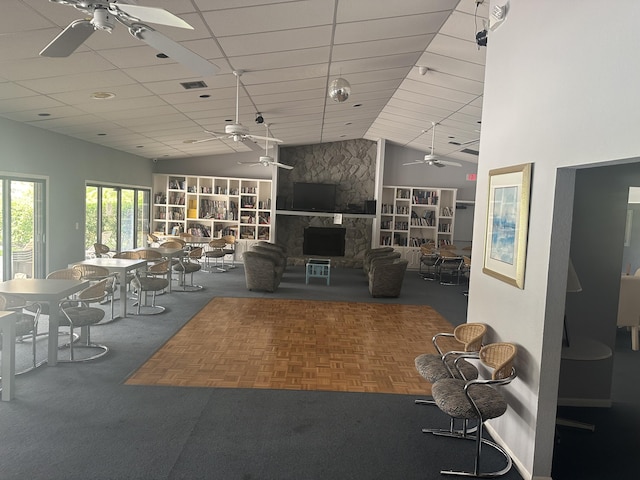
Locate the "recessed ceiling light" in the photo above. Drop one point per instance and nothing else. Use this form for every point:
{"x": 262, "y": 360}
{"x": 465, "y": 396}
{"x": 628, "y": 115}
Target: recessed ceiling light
{"x": 102, "y": 95}
{"x": 348, "y": 123}
{"x": 101, "y": 134}
{"x": 162, "y": 55}
{"x": 230, "y": 120}
{"x": 206, "y": 95}
{"x": 357, "y": 104}
{"x": 44, "y": 114}
{"x": 139, "y": 146}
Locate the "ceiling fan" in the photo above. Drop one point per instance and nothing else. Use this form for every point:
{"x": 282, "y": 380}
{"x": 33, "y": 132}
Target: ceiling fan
{"x": 266, "y": 160}
{"x": 431, "y": 158}
{"x": 103, "y": 15}
{"x": 236, "y": 131}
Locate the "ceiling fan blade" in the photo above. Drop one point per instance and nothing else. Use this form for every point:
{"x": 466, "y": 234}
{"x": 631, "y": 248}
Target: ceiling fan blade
{"x": 69, "y": 39}
{"x": 175, "y": 50}
{"x": 268, "y": 139}
{"x": 282, "y": 165}
{"x": 156, "y": 15}
{"x": 448, "y": 163}
{"x": 204, "y": 140}
{"x": 417, "y": 162}
{"x": 251, "y": 144}
{"x": 470, "y": 142}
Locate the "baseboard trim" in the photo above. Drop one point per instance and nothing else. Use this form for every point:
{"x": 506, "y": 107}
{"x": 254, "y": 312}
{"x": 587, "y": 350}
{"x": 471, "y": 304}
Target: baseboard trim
{"x": 585, "y": 402}
{"x": 526, "y": 474}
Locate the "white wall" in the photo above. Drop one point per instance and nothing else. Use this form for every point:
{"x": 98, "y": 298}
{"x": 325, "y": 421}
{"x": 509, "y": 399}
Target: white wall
{"x": 559, "y": 92}
{"x": 68, "y": 164}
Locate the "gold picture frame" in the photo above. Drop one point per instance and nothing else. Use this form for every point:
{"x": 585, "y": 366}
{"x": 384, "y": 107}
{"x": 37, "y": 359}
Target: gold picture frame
{"x": 505, "y": 248}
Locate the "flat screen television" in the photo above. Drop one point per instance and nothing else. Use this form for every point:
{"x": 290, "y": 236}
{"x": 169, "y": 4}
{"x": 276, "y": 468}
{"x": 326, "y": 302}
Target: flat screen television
{"x": 314, "y": 197}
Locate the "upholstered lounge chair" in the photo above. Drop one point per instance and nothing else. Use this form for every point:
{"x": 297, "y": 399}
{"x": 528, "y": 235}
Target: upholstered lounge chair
{"x": 262, "y": 271}
{"x": 372, "y": 253}
{"x": 385, "y": 280}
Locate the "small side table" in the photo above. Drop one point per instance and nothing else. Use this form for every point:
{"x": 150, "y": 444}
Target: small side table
{"x": 318, "y": 267}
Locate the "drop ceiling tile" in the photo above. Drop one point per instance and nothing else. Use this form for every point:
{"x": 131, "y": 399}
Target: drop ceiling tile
{"x": 276, "y": 16}
{"x": 354, "y": 11}
{"x": 393, "y": 27}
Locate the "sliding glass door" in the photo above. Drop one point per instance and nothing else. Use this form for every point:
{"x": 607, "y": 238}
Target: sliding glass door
{"x": 117, "y": 217}
{"x": 22, "y": 228}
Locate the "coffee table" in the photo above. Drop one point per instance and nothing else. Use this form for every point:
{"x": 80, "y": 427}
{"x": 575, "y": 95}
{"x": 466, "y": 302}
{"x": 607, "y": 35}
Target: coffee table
{"x": 318, "y": 267}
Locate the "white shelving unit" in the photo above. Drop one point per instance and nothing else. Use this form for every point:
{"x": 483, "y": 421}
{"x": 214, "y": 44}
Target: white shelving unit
{"x": 413, "y": 216}
{"x": 212, "y": 206}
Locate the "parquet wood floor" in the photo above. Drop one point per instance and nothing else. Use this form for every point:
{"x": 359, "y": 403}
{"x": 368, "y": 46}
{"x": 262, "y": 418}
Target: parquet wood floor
{"x": 298, "y": 345}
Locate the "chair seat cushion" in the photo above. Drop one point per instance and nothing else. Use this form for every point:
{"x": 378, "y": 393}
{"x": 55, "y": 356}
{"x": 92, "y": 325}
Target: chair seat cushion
{"x": 430, "y": 366}
{"x": 82, "y": 316}
{"x": 187, "y": 267}
{"x": 150, "y": 284}
{"x": 449, "y": 396}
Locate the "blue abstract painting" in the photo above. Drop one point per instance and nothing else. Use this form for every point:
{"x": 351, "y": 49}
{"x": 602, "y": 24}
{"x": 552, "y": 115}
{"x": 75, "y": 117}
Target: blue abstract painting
{"x": 504, "y": 224}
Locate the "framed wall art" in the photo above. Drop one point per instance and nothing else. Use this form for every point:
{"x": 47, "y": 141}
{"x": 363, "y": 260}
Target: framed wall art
{"x": 505, "y": 247}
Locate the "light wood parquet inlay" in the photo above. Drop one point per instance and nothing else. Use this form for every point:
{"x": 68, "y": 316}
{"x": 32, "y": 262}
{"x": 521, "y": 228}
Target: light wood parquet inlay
{"x": 298, "y": 345}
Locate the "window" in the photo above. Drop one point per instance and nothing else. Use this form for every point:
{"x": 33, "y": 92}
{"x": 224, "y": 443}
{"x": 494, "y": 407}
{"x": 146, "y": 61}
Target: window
{"x": 117, "y": 217}
{"x": 22, "y": 227}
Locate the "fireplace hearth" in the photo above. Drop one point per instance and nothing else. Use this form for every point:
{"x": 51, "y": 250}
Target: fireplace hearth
{"x": 325, "y": 241}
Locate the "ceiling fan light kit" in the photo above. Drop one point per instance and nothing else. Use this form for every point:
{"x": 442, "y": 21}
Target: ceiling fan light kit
{"x": 339, "y": 90}
{"x": 236, "y": 131}
{"x": 266, "y": 160}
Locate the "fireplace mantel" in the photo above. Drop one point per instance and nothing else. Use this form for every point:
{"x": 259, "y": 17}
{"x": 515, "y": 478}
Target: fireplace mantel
{"x": 300, "y": 213}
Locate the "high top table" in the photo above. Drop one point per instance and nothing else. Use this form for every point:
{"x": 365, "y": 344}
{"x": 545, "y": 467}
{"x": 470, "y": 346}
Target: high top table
{"x": 120, "y": 266}
{"x": 8, "y": 330}
{"x": 49, "y": 291}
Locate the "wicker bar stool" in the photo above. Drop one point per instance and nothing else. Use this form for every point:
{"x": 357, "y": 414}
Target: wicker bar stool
{"x": 154, "y": 280}
{"x": 78, "y": 313}
{"x": 478, "y": 400}
{"x": 189, "y": 265}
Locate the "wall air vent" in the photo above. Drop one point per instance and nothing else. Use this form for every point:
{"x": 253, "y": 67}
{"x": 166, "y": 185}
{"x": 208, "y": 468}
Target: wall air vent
{"x": 192, "y": 85}
{"x": 470, "y": 151}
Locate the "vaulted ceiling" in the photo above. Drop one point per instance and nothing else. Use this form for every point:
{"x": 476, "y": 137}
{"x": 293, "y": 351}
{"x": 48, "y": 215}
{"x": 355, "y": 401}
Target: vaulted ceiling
{"x": 289, "y": 51}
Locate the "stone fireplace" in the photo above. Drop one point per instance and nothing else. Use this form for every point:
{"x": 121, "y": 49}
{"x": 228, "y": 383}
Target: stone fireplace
{"x": 351, "y": 165}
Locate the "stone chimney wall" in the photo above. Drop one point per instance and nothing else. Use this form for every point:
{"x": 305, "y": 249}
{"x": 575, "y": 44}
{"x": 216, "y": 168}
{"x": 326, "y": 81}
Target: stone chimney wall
{"x": 351, "y": 165}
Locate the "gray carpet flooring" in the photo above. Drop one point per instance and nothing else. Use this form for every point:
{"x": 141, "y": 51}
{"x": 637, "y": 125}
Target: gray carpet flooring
{"x": 79, "y": 421}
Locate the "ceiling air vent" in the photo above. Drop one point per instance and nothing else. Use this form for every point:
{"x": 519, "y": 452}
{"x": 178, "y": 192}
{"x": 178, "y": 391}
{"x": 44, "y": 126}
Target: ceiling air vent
{"x": 192, "y": 85}
{"x": 470, "y": 151}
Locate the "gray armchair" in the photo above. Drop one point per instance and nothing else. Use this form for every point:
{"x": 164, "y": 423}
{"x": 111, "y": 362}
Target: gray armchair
{"x": 262, "y": 271}
{"x": 372, "y": 253}
{"x": 385, "y": 279}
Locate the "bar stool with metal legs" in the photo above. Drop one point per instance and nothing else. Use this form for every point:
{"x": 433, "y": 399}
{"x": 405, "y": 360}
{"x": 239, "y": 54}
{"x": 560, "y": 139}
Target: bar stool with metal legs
{"x": 78, "y": 313}
{"x": 155, "y": 279}
{"x": 189, "y": 264}
{"x": 230, "y": 249}
{"x": 216, "y": 250}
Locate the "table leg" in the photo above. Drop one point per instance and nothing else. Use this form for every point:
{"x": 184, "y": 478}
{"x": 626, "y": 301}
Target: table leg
{"x": 123, "y": 293}
{"x": 8, "y": 329}
{"x": 54, "y": 324}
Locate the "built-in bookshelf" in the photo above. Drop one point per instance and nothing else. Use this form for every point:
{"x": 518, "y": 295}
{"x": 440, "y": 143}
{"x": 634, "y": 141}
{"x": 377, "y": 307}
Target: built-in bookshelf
{"x": 414, "y": 216}
{"x": 212, "y": 206}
